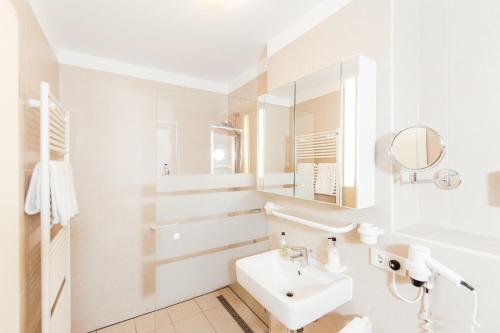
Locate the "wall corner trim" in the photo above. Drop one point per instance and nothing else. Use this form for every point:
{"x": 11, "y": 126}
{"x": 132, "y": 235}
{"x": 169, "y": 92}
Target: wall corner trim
{"x": 72, "y": 58}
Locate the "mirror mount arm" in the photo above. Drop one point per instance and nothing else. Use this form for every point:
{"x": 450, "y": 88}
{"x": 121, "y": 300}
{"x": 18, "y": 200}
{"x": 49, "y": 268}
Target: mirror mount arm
{"x": 445, "y": 179}
{"x": 414, "y": 179}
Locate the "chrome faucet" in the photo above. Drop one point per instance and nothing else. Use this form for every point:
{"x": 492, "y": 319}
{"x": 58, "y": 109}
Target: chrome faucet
{"x": 302, "y": 255}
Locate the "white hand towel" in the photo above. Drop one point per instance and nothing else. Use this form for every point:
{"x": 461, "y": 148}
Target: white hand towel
{"x": 326, "y": 179}
{"x": 62, "y": 193}
{"x": 32, "y": 202}
{"x": 305, "y": 180}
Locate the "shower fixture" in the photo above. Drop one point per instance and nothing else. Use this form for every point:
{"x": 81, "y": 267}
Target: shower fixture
{"x": 226, "y": 125}
{"x": 222, "y": 131}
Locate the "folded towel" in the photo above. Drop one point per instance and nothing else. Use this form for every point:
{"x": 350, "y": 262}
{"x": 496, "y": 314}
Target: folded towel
{"x": 304, "y": 180}
{"x": 32, "y": 203}
{"x": 326, "y": 179}
{"x": 62, "y": 192}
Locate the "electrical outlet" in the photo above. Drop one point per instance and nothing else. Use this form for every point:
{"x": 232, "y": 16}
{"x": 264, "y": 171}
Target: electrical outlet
{"x": 380, "y": 258}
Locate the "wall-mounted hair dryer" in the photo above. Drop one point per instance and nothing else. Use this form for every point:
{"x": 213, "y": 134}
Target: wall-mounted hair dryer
{"x": 421, "y": 266}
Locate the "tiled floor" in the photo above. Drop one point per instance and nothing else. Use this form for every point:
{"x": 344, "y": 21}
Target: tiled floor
{"x": 204, "y": 314}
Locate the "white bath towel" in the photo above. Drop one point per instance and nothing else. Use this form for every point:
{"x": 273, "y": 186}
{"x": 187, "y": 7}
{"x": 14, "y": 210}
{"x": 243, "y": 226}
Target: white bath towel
{"x": 326, "y": 178}
{"x": 62, "y": 192}
{"x": 304, "y": 180}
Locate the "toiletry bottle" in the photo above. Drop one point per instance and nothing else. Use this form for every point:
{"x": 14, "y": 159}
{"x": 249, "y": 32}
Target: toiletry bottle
{"x": 333, "y": 254}
{"x": 333, "y": 264}
{"x": 166, "y": 170}
{"x": 283, "y": 245}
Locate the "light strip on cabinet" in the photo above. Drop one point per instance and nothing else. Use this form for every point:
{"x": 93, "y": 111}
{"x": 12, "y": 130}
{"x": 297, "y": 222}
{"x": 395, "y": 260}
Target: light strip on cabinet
{"x": 260, "y": 143}
{"x": 349, "y": 170}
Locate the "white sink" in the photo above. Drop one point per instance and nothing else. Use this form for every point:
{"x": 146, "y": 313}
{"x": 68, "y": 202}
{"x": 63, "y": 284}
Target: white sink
{"x": 316, "y": 292}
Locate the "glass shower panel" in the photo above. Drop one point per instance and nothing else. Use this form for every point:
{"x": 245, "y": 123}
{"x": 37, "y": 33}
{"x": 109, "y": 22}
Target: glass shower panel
{"x": 208, "y": 214}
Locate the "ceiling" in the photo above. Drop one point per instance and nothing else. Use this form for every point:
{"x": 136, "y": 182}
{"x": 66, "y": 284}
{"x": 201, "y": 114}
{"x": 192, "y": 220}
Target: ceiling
{"x": 213, "y": 40}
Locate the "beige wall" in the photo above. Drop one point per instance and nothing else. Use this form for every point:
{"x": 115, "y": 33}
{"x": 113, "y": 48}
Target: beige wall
{"x": 325, "y": 111}
{"x": 243, "y": 102}
{"x": 364, "y": 26}
{"x": 113, "y": 156}
{"x": 36, "y": 63}
{"x": 10, "y": 177}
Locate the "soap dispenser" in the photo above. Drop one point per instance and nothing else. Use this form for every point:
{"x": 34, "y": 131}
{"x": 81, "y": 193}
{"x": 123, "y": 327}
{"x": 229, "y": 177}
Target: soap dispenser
{"x": 283, "y": 245}
{"x": 333, "y": 264}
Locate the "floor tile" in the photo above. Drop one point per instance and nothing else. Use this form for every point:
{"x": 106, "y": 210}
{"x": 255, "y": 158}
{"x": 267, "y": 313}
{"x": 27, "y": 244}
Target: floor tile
{"x": 145, "y": 323}
{"x": 165, "y": 329}
{"x": 209, "y": 301}
{"x": 222, "y": 321}
{"x": 125, "y": 327}
{"x": 183, "y": 310}
{"x": 162, "y": 318}
{"x": 229, "y": 327}
{"x": 197, "y": 324}
{"x": 218, "y": 316}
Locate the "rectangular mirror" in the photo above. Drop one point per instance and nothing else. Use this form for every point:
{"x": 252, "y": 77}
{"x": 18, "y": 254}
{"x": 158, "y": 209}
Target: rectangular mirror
{"x": 213, "y": 136}
{"x": 317, "y": 136}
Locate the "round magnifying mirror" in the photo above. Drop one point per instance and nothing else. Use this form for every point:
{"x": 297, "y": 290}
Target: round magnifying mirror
{"x": 417, "y": 148}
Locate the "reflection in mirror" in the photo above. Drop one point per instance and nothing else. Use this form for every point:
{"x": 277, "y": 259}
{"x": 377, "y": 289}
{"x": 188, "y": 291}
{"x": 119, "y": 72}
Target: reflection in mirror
{"x": 226, "y": 148}
{"x": 317, "y": 124}
{"x": 212, "y": 138}
{"x": 417, "y": 148}
{"x": 317, "y": 136}
{"x": 275, "y": 142}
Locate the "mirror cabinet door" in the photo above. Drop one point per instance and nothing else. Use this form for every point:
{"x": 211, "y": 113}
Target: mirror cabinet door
{"x": 358, "y": 136}
{"x": 317, "y": 125}
{"x": 275, "y": 131}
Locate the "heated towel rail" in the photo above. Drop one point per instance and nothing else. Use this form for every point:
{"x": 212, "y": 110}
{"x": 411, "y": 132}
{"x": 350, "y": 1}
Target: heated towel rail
{"x": 317, "y": 145}
{"x": 55, "y": 250}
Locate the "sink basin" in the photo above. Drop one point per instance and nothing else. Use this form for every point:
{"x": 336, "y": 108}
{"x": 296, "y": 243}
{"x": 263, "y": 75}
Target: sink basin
{"x": 295, "y": 295}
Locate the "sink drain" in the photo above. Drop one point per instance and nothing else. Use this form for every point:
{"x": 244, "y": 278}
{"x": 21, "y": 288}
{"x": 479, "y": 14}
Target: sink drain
{"x": 289, "y": 294}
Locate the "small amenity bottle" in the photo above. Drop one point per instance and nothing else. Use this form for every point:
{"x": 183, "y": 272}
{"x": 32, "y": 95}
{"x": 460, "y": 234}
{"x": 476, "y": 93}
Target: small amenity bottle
{"x": 166, "y": 170}
{"x": 333, "y": 264}
{"x": 283, "y": 245}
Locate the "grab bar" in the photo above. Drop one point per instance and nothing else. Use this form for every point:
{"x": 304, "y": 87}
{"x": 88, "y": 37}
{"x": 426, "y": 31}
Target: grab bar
{"x": 272, "y": 208}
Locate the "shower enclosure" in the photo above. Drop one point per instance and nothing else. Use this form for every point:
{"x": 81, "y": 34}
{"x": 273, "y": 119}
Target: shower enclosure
{"x": 208, "y": 213}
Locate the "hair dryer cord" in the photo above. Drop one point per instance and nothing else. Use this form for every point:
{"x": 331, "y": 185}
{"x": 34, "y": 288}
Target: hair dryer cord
{"x": 404, "y": 299}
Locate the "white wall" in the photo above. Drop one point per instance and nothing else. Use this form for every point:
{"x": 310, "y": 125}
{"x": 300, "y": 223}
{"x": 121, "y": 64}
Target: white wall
{"x": 370, "y": 27}
{"x": 459, "y": 80}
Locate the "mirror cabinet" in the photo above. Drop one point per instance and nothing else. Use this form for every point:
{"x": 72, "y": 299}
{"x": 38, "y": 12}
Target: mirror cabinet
{"x": 316, "y": 136}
